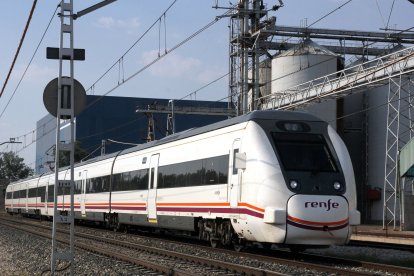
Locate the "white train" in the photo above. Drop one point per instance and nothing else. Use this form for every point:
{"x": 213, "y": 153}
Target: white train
{"x": 274, "y": 177}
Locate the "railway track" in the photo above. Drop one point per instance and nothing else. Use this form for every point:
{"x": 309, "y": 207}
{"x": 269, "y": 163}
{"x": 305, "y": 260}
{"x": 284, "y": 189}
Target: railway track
{"x": 154, "y": 259}
{"x": 168, "y": 262}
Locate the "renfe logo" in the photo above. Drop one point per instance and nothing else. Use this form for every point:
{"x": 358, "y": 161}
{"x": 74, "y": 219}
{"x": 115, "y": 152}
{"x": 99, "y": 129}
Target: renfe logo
{"x": 328, "y": 205}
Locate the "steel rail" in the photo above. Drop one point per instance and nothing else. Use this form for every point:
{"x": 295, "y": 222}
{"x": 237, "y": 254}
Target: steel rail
{"x": 307, "y": 261}
{"x": 209, "y": 263}
{"x": 119, "y": 256}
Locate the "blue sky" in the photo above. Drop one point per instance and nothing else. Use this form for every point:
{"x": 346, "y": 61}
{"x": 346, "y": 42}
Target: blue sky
{"x": 107, "y": 33}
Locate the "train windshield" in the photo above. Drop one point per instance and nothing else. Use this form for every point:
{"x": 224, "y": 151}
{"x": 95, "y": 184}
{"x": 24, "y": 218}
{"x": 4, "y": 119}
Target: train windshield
{"x": 304, "y": 152}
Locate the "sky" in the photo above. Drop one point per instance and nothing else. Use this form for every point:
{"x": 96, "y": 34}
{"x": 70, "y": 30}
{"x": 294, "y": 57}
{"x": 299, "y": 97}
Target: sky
{"x": 106, "y": 34}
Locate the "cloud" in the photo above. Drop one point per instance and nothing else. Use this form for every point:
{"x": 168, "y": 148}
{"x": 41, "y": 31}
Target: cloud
{"x": 208, "y": 75}
{"x": 36, "y": 74}
{"x": 112, "y": 23}
{"x": 173, "y": 65}
{"x": 176, "y": 66}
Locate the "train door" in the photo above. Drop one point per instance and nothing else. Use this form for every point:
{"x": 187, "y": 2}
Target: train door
{"x": 47, "y": 195}
{"x": 83, "y": 193}
{"x": 12, "y": 198}
{"x": 19, "y": 194}
{"x": 26, "y": 198}
{"x": 234, "y": 179}
{"x": 152, "y": 188}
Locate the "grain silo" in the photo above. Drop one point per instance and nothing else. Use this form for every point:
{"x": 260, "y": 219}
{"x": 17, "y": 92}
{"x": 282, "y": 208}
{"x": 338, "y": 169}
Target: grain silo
{"x": 302, "y": 63}
{"x": 265, "y": 76}
{"x": 354, "y": 135}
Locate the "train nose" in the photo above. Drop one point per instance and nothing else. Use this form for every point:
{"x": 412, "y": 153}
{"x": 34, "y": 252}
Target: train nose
{"x": 317, "y": 219}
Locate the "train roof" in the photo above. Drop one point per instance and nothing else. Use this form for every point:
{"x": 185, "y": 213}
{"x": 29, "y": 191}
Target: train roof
{"x": 251, "y": 116}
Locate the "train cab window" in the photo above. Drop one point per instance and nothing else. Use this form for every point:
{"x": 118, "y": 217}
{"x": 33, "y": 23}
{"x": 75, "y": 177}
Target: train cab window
{"x": 304, "y": 152}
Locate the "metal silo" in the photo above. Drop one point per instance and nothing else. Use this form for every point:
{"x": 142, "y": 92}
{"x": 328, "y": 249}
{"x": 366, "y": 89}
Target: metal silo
{"x": 354, "y": 135}
{"x": 304, "y": 62}
{"x": 265, "y": 75}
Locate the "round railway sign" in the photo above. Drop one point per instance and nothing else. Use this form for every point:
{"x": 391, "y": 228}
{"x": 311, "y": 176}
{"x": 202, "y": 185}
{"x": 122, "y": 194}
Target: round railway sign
{"x": 50, "y": 97}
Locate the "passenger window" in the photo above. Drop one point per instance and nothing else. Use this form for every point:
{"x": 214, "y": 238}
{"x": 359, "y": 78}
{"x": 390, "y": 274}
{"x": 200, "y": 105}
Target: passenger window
{"x": 234, "y": 160}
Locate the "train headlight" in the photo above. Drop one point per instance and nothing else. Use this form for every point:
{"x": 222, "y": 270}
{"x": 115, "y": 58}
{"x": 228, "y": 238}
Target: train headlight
{"x": 337, "y": 186}
{"x": 294, "y": 184}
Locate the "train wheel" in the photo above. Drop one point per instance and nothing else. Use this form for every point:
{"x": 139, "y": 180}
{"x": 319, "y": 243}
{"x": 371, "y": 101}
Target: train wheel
{"x": 225, "y": 231}
{"x": 238, "y": 247}
{"x": 214, "y": 243}
{"x": 113, "y": 222}
{"x": 117, "y": 226}
{"x": 238, "y": 244}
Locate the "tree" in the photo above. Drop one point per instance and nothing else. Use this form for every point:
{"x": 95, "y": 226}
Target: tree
{"x": 12, "y": 167}
{"x": 64, "y": 157}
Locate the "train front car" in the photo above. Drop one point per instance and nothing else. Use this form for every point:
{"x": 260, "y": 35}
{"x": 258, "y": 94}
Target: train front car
{"x": 299, "y": 177}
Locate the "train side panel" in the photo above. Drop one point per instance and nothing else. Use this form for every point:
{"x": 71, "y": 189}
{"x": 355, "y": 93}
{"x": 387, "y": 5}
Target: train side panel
{"x": 92, "y": 195}
{"x": 224, "y": 178}
{"x": 177, "y": 203}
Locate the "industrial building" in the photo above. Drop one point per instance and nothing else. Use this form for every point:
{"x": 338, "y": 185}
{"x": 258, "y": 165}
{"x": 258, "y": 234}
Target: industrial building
{"x": 110, "y": 124}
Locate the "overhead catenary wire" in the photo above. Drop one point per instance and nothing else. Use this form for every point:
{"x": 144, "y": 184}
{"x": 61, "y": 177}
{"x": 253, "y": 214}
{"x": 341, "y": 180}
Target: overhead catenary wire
{"x": 329, "y": 13}
{"x": 157, "y": 59}
{"x": 195, "y": 91}
{"x": 206, "y": 85}
{"x": 119, "y": 62}
{"x": 321, "y": 18}
{"x": 132, "y": 46}
{"x": 389, "y": 17}
{"x": 220, "y": 77}
{"x": 30, "y": 62}
{"x": 224, "y": 98}
{"x": 20, "y": 46}
{"x": 90, "y": 154}
{"x": 379, "y": 10}
{"x": 344, "y": 116}
{"x": 120, "y": 142}
{"x": 148, "y": 65}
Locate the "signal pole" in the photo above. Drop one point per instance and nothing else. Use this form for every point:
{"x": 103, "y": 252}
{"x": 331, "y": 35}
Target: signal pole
{"x": 65, "y": 110}
{"x": 70, "y": 102}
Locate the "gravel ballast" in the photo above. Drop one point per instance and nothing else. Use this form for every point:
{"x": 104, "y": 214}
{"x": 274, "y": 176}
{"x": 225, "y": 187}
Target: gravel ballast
{"x": 26, "y": 254}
